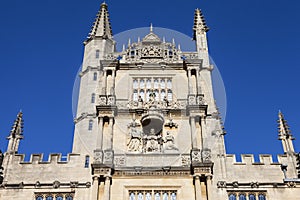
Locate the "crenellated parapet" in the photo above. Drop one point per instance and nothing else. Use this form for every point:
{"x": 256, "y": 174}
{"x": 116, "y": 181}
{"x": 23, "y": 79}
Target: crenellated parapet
{"x": 55, "y": 158}
{"x": 265, "y": 169}
{"x": 44, "y": 170}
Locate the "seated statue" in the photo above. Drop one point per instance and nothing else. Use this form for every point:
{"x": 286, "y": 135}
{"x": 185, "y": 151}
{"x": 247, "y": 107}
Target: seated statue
{"x": 169, "y": 142}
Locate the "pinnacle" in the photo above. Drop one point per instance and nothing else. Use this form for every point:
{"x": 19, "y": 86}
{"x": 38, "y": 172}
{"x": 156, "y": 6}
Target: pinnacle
{"x": 199, "y": 23}
{"x": 101, "y": 26}
{"x": 283, "y": 127}
{"x": 17, "y": 128}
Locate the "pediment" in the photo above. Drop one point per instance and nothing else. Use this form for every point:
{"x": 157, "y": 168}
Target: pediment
{"x": 151, "y": 38}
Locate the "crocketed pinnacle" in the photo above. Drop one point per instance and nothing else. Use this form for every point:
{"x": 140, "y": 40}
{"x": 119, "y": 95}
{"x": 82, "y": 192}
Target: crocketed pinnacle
{"x": 17, "y": 128}
{"x": 101, "y": 26}
{"x": 283, "y": 128}
{"x": 199, "y": 23}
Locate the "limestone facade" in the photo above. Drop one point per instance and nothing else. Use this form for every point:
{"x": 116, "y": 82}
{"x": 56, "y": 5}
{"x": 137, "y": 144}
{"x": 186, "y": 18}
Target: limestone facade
{"x": 147, "y": 128}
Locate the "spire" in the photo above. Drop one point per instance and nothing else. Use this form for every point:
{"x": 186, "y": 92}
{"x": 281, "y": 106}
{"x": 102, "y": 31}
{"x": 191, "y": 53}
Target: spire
{"x": 285, "y": 134}
{"x": 17, "y": 128}
{"x": 101, "y": 26}
{"x": 151, "y": 28}
{"x": 16, "y": 134}
{"x": 199, "y": 23}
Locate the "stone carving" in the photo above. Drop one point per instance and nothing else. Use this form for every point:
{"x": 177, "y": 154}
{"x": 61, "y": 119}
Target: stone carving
{"x": 206, "y": 155}
{"x": 254, "y": 184}
{"x": 74, "y": 184}
{"x": 200, "y": 100}
{"x": 291, "y": 184}
{"x": 235, "y": 184}
{"x": 102, "y": 100}
{"x": 37, "y": 184}
{"x": 98, "y": 156}
{"x": 196, "y": 156}
{"x": 185, "y": 160}
{"x": 171, "y": 124}
{"x": 192, "y": 100}
{"x": 221, "y": 184}
{"x": 108, "y": 157}
{"x": 169, "y": 142}
{"x": 151, "y": 51}
{"x": 111, "y": 100}
{"x": 56, "y": 184}
{"x": 135, "y": 140}
{"x": 152, "y": 141}
{"x": 120, "y": 161}
{"x": 88, "y": 184}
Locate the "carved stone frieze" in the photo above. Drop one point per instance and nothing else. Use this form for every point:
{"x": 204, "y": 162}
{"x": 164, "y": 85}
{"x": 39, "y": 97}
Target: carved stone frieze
{"x": 206, "y": 155}
{"x": 108, "y": 156}
{"x": 98, "y": 156}
{"x": 196, "y": 156}
{"x": 185, "y": 160}
{"x": 221, "y": 184}
{"x": 120, "y": 161}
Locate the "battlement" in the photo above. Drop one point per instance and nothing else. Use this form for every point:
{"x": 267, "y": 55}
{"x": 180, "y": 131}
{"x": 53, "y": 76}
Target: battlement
{"x": 264, "y": 159}
{"x": 55, "y": 158}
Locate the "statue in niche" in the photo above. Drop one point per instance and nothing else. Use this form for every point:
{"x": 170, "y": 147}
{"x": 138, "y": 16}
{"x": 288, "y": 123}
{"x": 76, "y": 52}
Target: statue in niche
{"x": 169, "y": 142}
{"x": 140, "y": 102}
{"x": 166, "y": 102}
{"x": 135, "y": 140}
{"x": 152, "y": 142}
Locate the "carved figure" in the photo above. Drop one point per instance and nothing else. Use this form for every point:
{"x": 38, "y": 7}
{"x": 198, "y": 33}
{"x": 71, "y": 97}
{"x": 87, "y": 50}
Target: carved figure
{"x": 140, "y": 102}
{"x": 169, "y": 142}
{"x": 152, "y": 142}
{"x": 166, "y": 102}
{"x": 135, "y": 140}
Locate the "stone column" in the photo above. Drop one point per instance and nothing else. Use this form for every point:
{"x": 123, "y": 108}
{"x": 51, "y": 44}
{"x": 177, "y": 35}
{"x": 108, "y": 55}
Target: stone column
{"x": 198, "y": 192}
{"x": 106, "y": 195}
{"x": 198, "y": 82}
{"x": 193, "y": 133}
{"x": 111, "y": 132}
{"x": 208, "y": 186}
{"x": 100, "y": 134}
{"x": 112, "y": 89}
{"x": 189, "y": 81}
{"x": 104, "y": 88}
{"x": 95, "y": 187}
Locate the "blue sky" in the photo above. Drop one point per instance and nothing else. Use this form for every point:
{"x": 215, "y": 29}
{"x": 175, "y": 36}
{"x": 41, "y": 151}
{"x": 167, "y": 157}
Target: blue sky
{"x": 255, "y": 44}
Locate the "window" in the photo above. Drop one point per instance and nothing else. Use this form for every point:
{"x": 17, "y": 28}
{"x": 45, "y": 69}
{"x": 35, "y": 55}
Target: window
{"x": 144, "y": 87}
{"x": 95, "y": 76}
{"x": 232, "y": 197}
{"x": 135, "y": 95}
{"x": 148, "y": 83}
{"x": 155, "y": 83}
{"x": 261, "y": 197}
{"x": 93, "y": 98}
{"x": 242, "y": 197}
{"x": 87, "y": 162}
{"x": 97, "y": 53}
{"x": 170, "y": 95}
{"x": 135, "y": 84}
{"x": 251, "y": 195}
{"x": 54, "y": 196}
{"x": 59, "y": 197}
{"x": 153, "y": 195}
{"x": 90, "y": 125}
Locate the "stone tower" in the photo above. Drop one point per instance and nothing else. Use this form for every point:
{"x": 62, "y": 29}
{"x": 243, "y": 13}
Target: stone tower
{"x": 147, "y": 128}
